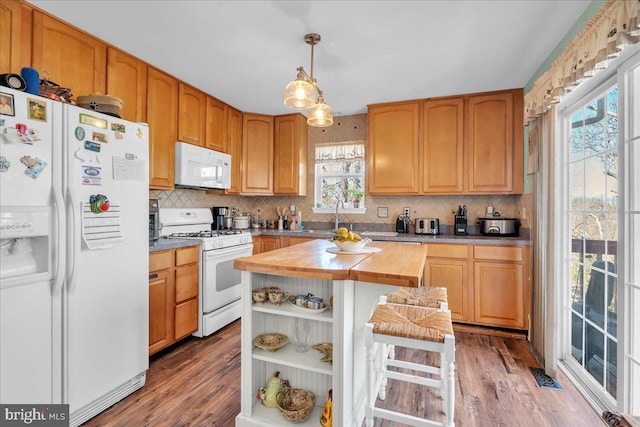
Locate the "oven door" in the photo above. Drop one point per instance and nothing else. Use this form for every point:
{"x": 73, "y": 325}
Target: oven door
{"x": 220, "y": 282}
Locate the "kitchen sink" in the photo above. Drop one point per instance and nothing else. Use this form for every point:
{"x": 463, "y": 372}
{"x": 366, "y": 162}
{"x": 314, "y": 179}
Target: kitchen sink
{"x": 379, "y": 233}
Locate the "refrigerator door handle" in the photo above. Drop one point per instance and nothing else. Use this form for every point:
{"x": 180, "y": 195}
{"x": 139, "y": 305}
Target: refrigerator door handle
{"x": 74, "y": 242}
{"x": 59, "y": 236}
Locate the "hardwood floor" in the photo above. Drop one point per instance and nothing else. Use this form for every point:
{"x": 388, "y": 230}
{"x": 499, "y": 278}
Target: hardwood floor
{"x": 198, "y": 384}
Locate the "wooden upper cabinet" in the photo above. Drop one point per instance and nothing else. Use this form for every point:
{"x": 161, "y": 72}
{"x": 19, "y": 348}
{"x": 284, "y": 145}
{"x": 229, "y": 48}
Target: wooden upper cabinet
{"x": 192, "y": 115}
{"x": 234, "y": 149}
{"x": 257, "y": 154}
{"x": 72, "y": 58}
{"x": 442, "y": 146}
{"x": 216, "y": 125}
{"x": 15, "y": 36}
{"x": 392, "y": 154}
{"x": 127, "y": 79}
{"x": 290, "y": 158}
{"x": 495, "y": 143}
{"x": 162, "y": 117}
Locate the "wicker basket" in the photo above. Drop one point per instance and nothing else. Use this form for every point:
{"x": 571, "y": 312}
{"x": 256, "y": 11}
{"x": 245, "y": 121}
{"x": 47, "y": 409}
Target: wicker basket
{"x": 105, "y": 104}
{"x": 270, "y": 342}
{"x": 295, "y": 404}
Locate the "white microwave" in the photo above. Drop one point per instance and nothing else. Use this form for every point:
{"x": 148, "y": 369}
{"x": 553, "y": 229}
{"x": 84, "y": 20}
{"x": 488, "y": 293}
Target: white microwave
{"x": 197, "y": 167}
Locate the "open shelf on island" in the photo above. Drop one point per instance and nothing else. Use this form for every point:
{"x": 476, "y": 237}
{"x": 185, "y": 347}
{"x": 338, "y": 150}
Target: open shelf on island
{"x": 286, "y": 309}
{"x": 287, "y": 355}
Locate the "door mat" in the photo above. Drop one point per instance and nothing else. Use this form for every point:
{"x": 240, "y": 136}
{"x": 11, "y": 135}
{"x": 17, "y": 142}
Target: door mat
{"x": 545, "y": 381}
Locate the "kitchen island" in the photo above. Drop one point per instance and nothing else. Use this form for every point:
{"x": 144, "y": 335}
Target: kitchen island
{"x": 355, "y": 281}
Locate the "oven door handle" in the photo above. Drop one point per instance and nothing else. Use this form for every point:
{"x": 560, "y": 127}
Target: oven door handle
{"x": 216, "y": 253}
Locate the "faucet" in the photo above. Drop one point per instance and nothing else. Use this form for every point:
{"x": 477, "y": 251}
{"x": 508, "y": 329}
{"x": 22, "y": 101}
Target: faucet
{"x": 336, "y": 220}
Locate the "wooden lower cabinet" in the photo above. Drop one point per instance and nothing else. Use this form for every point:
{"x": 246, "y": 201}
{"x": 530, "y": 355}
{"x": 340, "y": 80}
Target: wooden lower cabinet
{"x": 161, "y": 286}
{"x": 486, "y": 284}
{"x": 173, "y": 296}
{"x": 269, "y": 243}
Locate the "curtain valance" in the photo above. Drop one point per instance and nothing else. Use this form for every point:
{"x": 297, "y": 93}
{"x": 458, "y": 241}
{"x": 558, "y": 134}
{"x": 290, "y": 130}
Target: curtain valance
{"x": 340, "y": 150}
{"x": 615, "y": 26}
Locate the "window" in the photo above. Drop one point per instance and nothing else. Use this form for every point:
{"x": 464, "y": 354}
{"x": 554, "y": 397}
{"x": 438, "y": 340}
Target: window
{"x": 339, "y": 176}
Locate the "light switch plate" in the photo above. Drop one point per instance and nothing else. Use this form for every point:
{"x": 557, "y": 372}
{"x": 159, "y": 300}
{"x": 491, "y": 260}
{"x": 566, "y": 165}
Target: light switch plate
{"x": 383, "y": 212}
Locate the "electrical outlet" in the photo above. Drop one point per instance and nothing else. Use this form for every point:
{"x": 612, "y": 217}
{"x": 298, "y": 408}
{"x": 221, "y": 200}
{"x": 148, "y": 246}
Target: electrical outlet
{"x": 406, "y": 211}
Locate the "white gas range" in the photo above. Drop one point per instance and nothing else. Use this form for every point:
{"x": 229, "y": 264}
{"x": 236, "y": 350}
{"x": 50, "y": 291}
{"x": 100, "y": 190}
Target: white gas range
{"x": 219, "y": 284}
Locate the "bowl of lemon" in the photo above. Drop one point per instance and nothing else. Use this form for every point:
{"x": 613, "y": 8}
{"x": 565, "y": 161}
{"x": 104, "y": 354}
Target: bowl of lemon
{"x": 348, "y": 241}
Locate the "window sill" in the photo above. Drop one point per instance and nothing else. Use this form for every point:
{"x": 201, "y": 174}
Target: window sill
{"x": 360, "y": 211}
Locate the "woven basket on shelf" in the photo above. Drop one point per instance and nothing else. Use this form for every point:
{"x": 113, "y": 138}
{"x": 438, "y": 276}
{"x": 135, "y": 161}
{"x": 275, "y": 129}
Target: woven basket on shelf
{"x": 105, "y": 104}
{"x": 270, "y": 342}
{"x": 295, "y": 404}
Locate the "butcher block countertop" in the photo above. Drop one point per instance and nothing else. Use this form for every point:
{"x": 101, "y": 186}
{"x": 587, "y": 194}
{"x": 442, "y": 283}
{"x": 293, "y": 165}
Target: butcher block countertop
{"x": 400, "y": 264}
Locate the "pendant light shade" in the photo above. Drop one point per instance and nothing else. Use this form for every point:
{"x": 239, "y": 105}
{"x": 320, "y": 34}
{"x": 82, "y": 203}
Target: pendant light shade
{"x": 300, "y": 93}
{"x": 320, "y": 115}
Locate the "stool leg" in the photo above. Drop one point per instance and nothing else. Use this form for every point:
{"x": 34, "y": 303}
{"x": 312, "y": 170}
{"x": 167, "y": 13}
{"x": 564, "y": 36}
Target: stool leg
{"x": 381, "y": 369}
{"x": 370, "y": 374}
{"x": 449, "y": 359}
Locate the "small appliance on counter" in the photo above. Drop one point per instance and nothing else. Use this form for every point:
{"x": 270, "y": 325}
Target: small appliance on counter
{"x": 499, "y": 226}
{"x": 427, "y": 226}
{"x": 460, "y": 222}
{"x": 154, "y": 220}
{"x": 219, "y": 212}
{"x": 402, "y": 224}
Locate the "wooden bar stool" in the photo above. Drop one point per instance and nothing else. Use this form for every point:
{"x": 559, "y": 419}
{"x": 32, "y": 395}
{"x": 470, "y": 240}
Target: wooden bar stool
{"x": 415, "y": 327}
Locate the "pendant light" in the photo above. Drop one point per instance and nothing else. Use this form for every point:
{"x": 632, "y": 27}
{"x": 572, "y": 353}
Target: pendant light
{"x": 300, "y": 93}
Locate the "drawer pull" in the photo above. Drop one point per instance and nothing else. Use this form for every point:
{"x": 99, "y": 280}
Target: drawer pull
{"x": 153, "y": 276}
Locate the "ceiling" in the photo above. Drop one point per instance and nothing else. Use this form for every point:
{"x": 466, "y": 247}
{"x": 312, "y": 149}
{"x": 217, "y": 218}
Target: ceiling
{"x": 245, "y": 52}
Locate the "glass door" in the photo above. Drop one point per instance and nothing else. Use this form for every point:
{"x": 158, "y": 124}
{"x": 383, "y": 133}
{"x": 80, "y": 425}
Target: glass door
{"x": 591, "y": 258}
{"x": 629, "y": 83}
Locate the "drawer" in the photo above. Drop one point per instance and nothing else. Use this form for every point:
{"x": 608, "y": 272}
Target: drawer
{"x": 186, "y": 282}
{"x": 186, "y": 318}
{"x": 445, "y": 250}
{"x": 499, "y": 253}
{"x": 187, "y": 255}
{"x": 160, "y": 260}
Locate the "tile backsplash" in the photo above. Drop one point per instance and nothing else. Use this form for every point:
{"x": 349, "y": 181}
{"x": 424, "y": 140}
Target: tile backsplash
{"x": 352, "y": 128}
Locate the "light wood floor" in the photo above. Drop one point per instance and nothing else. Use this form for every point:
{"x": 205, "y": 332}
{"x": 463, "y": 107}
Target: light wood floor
{"x": 197, "y": 383}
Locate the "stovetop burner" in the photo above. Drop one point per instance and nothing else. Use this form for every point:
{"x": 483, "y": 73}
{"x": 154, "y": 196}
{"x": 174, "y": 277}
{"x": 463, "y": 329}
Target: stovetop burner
{"x": 205, "y": 234}
{"x": 200, "y": 234}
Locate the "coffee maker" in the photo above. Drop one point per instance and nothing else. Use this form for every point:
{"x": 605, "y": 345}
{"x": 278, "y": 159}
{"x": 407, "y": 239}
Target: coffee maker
{"x": 219, "y": 212}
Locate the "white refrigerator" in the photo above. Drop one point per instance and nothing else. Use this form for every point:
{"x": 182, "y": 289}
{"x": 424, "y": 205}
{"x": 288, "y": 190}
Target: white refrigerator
{"x": 73, "y": 255}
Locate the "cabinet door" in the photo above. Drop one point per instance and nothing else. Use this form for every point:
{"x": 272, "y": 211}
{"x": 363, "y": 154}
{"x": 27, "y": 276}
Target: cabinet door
{"x": 127, "y": 79}
{"x": 491, "y": 143}
{"x": 72, "y": 58}
{"x": 15, "y": 36}
{"x": 192, "y": 115}
{"x": 162, "y": 116}
{"x": 392, "y": 154}
{"x": 453, "y": 275}
{"x": 257, "y": 154}
{"x": 290, "y": 157}
{"x": 234, "y": 148}
{"x": 161, "y": 313}
{"x": 499, "y": 295}
{"x": 216, "y": 127}
{"x": 186, "y": 318}
{"x": 269, "y": 243}
{"x": 442, "y": 146}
